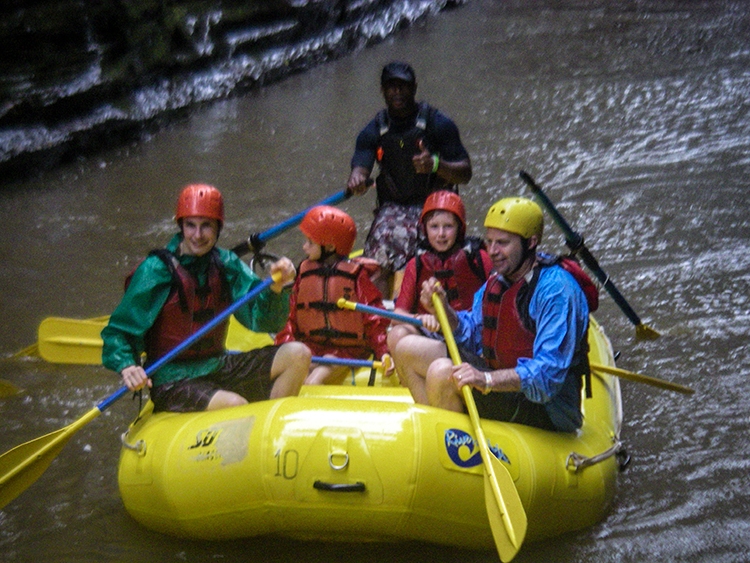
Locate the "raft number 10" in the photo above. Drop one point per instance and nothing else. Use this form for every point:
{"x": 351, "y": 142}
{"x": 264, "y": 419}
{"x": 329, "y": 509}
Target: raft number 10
{"x": 287, "y": 463}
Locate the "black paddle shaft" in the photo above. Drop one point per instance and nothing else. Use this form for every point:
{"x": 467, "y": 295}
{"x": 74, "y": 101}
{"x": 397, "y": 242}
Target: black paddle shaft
{"x": 575, "y": 242}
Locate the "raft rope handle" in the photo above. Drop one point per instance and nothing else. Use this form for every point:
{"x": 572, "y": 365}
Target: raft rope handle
{"x": 139, "y": 447}
{"x": 576, "y": 462}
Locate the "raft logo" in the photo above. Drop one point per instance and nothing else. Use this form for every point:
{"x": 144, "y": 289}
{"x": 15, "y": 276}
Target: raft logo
{"x": 225, "y": 442}
{"x": 463, "y": 451}
{"x": 205, "y": 438}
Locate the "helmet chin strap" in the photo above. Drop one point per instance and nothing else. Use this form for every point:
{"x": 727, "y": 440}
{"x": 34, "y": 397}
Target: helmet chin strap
{"x": 527, "y": 252}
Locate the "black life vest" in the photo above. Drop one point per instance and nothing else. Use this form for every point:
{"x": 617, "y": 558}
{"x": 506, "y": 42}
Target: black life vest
{"x": 398, "y": 182}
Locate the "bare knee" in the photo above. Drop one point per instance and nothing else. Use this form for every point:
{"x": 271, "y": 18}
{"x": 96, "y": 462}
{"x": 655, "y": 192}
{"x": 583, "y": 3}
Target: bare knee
{"x": 289, "y": 370}
{"x": 397, "y": 333}
{"x": 225, "y": 399}
{"x": 294, "y": 356}
{"x": 441, "y": 390}
{"x": 440, "y": 371}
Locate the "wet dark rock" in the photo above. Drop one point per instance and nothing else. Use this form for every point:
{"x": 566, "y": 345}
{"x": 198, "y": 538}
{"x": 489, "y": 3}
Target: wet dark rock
{"x": 79, "y": 75}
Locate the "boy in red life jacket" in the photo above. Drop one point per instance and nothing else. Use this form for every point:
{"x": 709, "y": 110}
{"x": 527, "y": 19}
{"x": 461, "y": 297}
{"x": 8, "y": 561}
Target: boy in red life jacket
{"x": 178, "y": 289}
{"x": 324, "y": 277}
{"x": 459, "y": 262}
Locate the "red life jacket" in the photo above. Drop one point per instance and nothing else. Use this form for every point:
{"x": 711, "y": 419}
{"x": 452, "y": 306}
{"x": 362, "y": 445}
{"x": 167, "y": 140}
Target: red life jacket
{"x": 505, "y": 337}
{"x": 319, "y": 319}
{"x": 589, "y": 288}
{"x": 461, "y": 274}
{"x": 187, "y": 309}
{"x": 508, "y": 331}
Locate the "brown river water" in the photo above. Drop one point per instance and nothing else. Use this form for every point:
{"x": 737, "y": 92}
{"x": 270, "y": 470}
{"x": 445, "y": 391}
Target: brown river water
{"x": 634, "y": 117}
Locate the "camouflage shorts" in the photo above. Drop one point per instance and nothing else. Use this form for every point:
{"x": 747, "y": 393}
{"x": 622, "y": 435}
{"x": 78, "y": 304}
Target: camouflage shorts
{"x": 393, "y": 235}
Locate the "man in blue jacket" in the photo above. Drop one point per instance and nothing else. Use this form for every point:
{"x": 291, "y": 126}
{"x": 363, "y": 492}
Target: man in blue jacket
{"x": 524, "y": 342}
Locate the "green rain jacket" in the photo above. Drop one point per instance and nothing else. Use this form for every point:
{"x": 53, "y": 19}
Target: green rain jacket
{"x": 148, "y": 291}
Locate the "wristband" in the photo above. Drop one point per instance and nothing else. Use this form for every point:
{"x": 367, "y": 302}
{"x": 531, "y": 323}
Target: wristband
{"x": 435, "y": 163}
{"x": 487, "y": 383}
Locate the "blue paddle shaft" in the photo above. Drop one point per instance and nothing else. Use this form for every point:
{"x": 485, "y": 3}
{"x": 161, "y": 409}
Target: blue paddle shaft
{"x": 342, "y": 361}
{"x": 192, "y": 339}
{"x": 387, "y": 314}
{"x": 297, "y": 219}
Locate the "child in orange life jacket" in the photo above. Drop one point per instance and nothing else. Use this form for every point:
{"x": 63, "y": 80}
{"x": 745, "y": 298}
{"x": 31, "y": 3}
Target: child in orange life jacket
{"x": 460, "y": 263}
{"x": 324, "y": 277}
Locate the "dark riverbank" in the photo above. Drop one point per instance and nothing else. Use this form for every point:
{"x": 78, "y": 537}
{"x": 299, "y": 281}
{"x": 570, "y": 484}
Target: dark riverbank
{"x": 76, "y": 77}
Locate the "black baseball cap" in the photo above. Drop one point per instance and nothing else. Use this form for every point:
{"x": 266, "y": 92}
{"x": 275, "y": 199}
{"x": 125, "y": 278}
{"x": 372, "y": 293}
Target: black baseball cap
{"x": 397, "y": 70}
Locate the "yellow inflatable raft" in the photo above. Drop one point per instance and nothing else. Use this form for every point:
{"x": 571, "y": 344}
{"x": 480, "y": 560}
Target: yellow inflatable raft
{"x": 354, "y": 463}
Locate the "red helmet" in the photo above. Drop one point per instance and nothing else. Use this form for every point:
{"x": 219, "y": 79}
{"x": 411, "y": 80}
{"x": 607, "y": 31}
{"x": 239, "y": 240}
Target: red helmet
{"x": 200, "y": 200}
{"x": 443, "y": 200}
{"x": 326, "y": 225}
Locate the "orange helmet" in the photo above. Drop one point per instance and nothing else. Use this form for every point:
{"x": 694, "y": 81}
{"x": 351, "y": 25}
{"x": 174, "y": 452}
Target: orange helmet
{"x": 200, "y": 200}
{"x": 443, "y": 200}
{"x": 326, "y": 225}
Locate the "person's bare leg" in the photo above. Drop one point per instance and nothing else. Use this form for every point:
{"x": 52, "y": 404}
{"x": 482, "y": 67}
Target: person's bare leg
{"x": 397, "y": 332}
{"x": 327, "y": 375}
{"x": 290, "y": 367}
{"x": 440, "y": 387}
{"x": 224, "y": 399}
{"x": 412, "y": 356}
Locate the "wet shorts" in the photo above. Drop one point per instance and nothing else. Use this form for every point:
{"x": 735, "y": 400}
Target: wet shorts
{"x": 393, "y": 235}
{"x": 248, "y": 374}
{"x": 507, "y": 406}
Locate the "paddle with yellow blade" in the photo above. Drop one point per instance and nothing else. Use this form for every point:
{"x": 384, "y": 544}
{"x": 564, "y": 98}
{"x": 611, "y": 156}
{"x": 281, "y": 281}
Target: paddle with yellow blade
{"x": 24, "y": 464}
{"x": 621, "y": 373}
{"x": 575, "y": 242}
{"x": 504, "y": 509}
{"x": 78, "y": 341}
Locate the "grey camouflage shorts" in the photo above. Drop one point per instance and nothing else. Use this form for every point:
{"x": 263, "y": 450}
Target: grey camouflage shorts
{"x": 393, "y": 235}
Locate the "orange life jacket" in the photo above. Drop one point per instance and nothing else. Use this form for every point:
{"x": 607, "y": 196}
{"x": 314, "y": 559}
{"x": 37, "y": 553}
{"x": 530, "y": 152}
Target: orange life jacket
{"x": 319, "y": 319}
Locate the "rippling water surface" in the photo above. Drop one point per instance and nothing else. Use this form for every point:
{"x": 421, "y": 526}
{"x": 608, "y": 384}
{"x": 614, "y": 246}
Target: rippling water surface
{"x": 634, "y": 118}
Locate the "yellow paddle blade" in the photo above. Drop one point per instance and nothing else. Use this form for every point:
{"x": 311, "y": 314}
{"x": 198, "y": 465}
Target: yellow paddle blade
{"x": 78, "y": 341}
{"x": 71, "y": 341}
{"x": 507, "y": 545}
{"x": 645, "y": 332}
{"x": 242, "y": 339}
{"x": 8, "y": 389}
{"x": 24, "y": 464}
{"x": 639, "y": 378}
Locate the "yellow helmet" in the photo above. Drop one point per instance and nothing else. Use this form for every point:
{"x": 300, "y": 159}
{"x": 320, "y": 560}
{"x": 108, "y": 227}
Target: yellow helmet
{"x": 516, "y": 215}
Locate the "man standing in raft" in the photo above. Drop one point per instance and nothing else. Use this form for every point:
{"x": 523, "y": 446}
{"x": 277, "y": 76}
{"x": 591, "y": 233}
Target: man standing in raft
{"x": 524, "y": 342}
{"x": 418, "y": 150}
{"x": 180, "y": 288}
